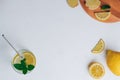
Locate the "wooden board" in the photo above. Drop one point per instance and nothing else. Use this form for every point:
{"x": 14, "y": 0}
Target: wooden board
{"x": 115, "y": 10}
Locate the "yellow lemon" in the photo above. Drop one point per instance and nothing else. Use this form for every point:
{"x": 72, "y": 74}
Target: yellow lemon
{"x": 99, "y": 47}
{"x": 102, "y": 15}
{"x": 93, "y": 4}
{"x": 113, "y": 61}
{"x": 72, "y": 3}
{"x": 30, "y": 58}
{"x": 96, "y": 70}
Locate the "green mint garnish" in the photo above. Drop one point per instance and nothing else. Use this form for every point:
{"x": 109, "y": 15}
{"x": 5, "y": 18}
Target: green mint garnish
{"x": 23, "y": 66}
{"x": 23, "y": 63}
{"x": 30, "y": 67}
{"x": 24, "y": 71}
{"x": 18, "y": 66}
{"x": 105, "y": 7}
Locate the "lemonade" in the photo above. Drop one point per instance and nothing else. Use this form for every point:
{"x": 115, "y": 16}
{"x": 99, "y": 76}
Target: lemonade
{"x": 24, "y": 60}
{"x": 26, "y": 64}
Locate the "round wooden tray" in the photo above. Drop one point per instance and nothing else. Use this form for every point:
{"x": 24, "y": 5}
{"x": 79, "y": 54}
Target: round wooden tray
{"x": 115, "y": 10}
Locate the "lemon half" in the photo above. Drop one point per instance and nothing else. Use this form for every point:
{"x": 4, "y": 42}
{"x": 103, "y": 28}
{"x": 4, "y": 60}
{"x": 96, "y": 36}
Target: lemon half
{"x": 102, "y": 15}
{"x": 113, "y": 61}
{"x": 99, "y": 47}
{"x": 72, "y": 3}
{"x": 96, "y": 70}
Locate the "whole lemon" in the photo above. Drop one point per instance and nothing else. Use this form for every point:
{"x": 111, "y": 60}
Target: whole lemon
{"x": 113, "y": 61}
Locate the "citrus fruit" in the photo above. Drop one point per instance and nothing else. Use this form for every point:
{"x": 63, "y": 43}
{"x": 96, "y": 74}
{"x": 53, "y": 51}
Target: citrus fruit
{"x": 96, "y": 70}
{"x": 93, "y": 4}
{"x": 113, "y": 61}
{"x": 99, "y": 47}
{"x": 30, "y": 58}
{"x": 72, "y": 3}
{"x": 102, "y": 15}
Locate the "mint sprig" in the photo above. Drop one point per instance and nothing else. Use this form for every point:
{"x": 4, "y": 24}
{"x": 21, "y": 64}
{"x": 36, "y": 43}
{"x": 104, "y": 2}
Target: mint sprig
{"x": 23, "y": 66}
{"x": 105, "y": 7}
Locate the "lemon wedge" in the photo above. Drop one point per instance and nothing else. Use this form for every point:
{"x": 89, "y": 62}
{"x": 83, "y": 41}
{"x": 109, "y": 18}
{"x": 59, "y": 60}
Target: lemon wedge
{"x": 72, "y": 3}
{"x": 93, "y": 4}
{"x": 102, "y": 15}
{"x": 113, "y": 61}
{"x": 99, "y": 47}
{"x": 96, "y": 70}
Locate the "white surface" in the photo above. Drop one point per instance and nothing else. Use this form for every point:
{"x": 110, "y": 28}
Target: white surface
{"x": 60, "y": 37}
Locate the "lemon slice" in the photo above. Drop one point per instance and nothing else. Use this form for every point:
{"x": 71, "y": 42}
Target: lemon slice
{"x": 99, "y": 47}
{"x": 102, "y": 15}
{"x": 93, "y": 4}
{"x": 30, "y": 58}
{"x": 72, "y": 3}
{"x": 96, "y": 70}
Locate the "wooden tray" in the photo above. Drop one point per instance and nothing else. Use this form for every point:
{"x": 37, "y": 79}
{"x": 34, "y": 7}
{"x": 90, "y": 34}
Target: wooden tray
{"x": 115, "y": 10}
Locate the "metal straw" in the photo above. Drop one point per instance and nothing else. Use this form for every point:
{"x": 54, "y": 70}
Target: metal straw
{"x": 12, "y": 46}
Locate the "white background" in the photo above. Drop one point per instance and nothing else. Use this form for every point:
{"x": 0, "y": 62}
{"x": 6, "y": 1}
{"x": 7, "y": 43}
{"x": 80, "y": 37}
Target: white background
{"x": 60, "y": 37}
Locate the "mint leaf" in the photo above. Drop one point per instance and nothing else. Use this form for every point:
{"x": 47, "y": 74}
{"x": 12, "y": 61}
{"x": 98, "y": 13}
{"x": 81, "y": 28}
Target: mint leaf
{"x": 23, "y": 63}
{"x": 105, "y": 7}
{"x": 18, "y": 66}
{"x": 30, "y": 67}
{"x": 24, "y": 71}
{"x": 23, "y": 66}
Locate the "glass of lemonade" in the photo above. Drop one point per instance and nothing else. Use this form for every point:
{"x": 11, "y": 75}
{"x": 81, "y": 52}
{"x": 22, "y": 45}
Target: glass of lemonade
{"x": 26, "y": 64}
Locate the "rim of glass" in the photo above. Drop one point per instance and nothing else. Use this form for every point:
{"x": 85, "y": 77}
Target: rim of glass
{"x": 22, "y": 51}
